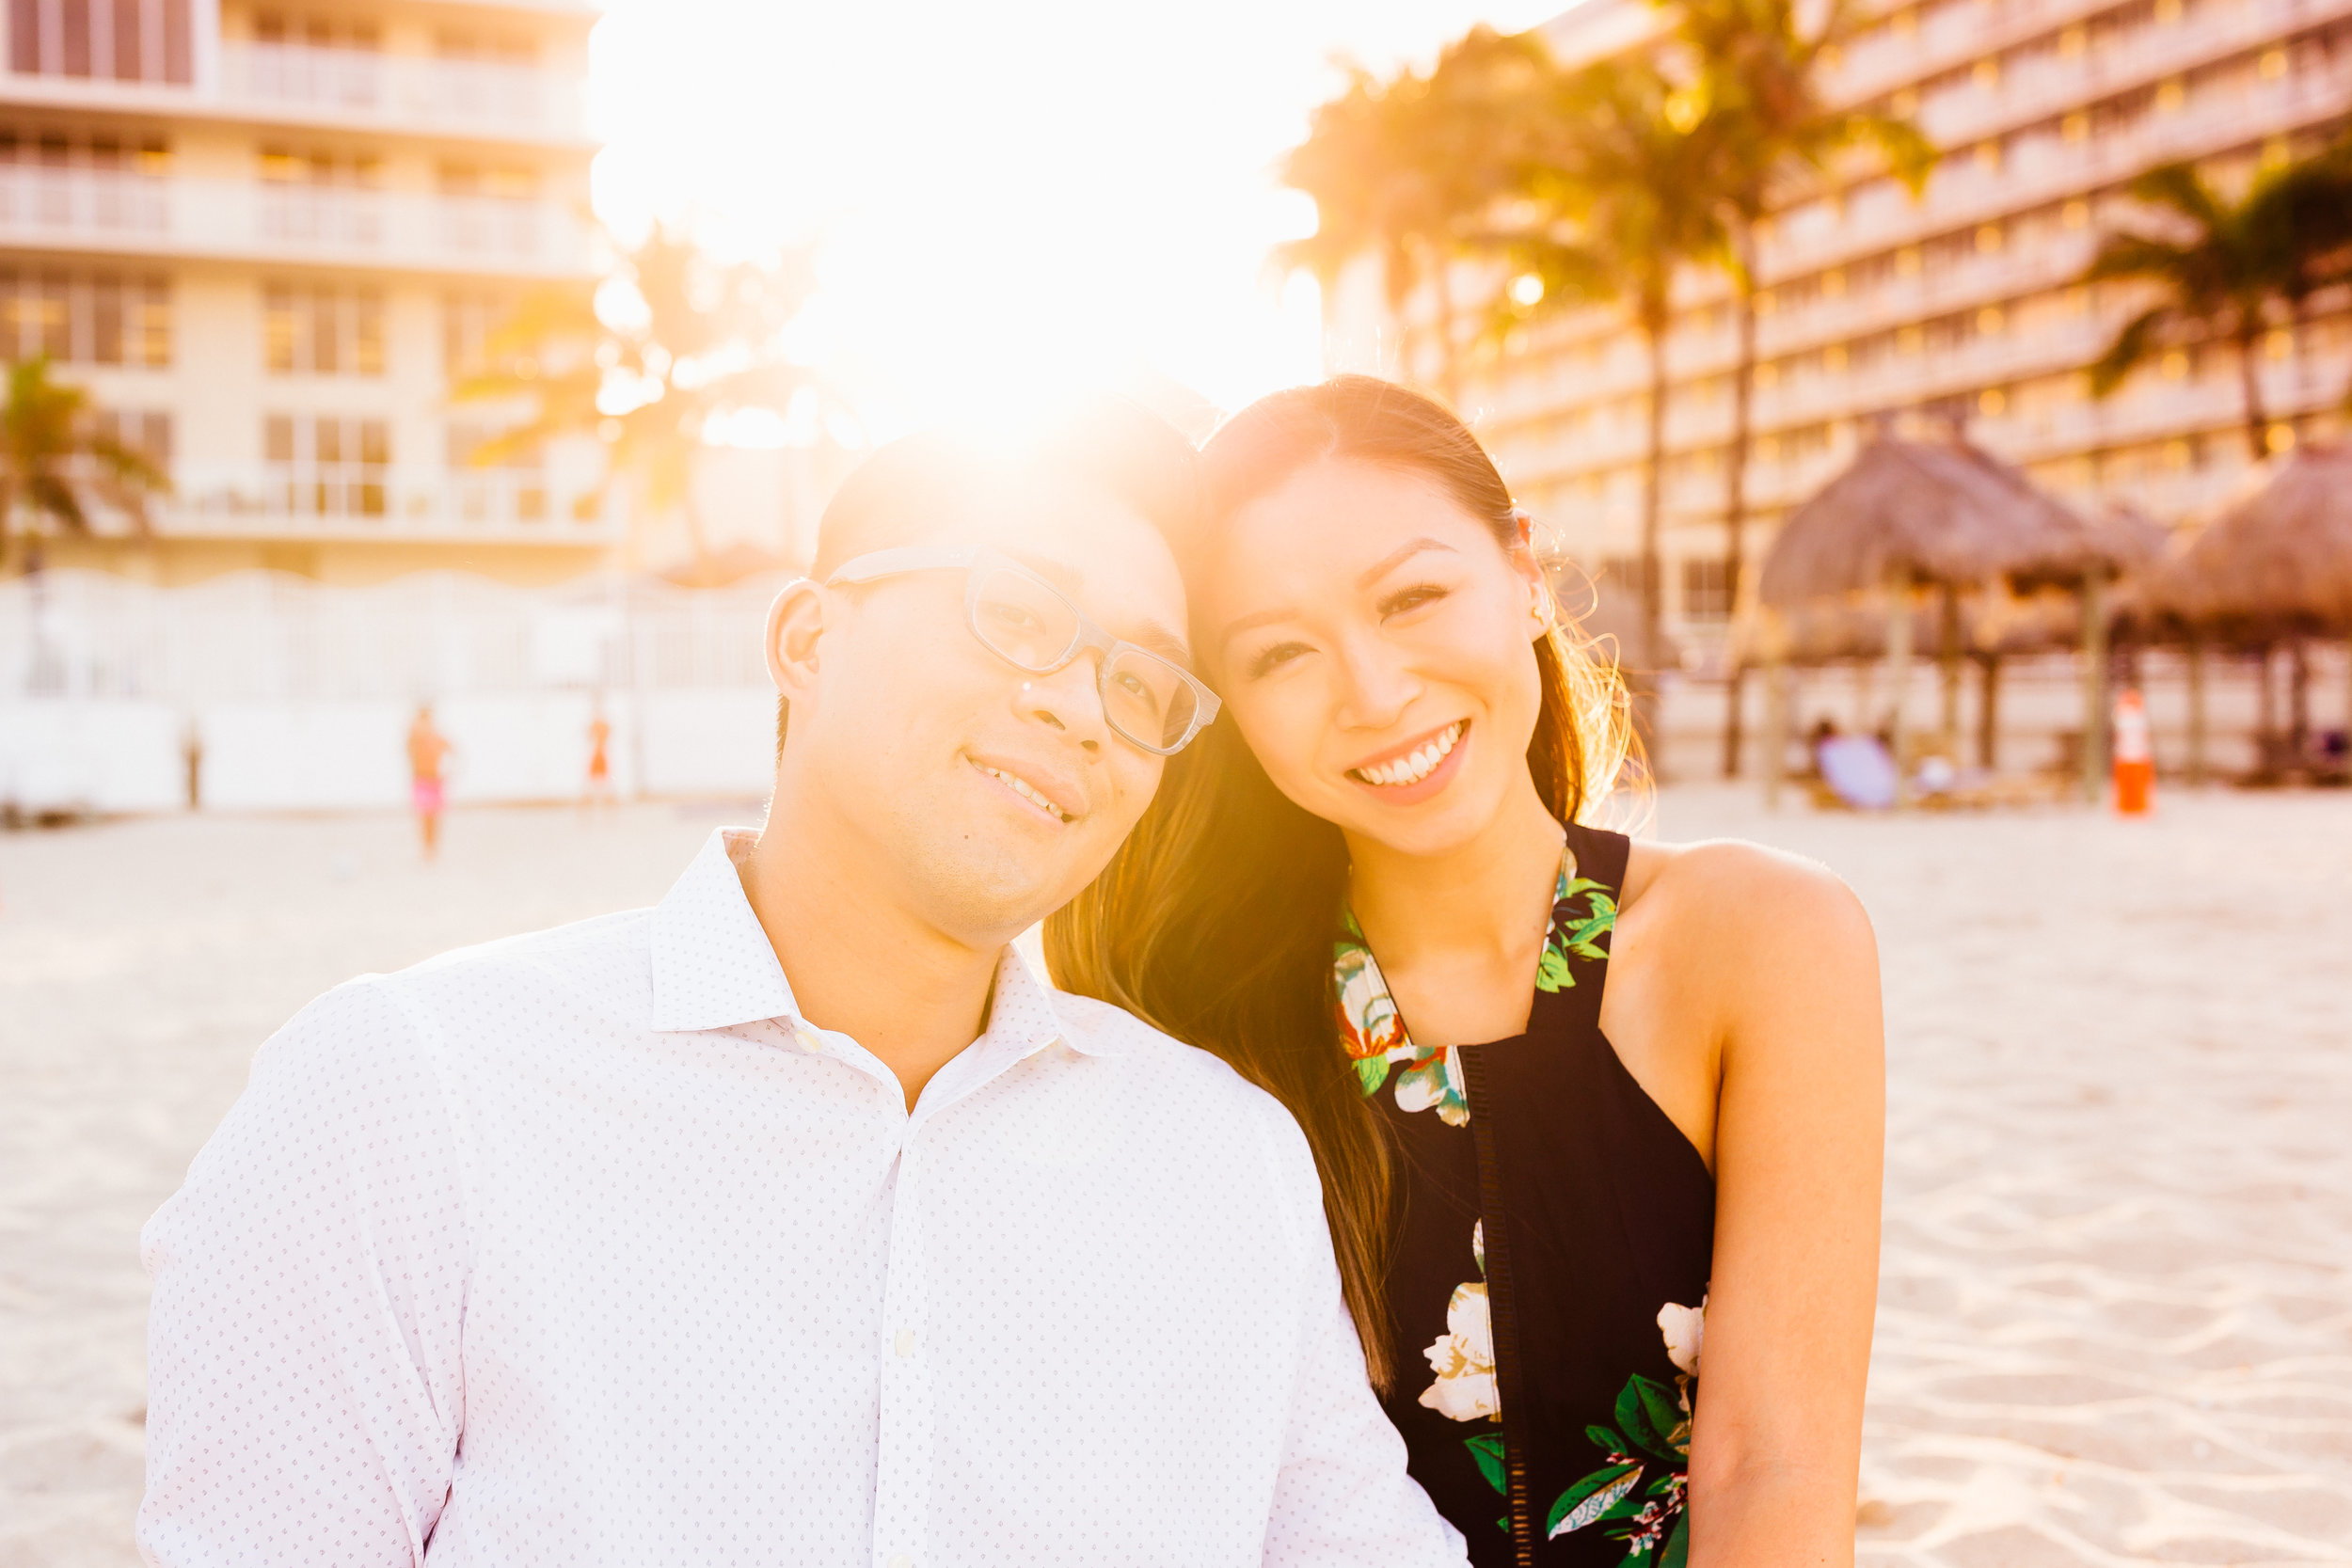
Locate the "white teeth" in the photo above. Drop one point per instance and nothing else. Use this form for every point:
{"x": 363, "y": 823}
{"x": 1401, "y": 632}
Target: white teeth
{"x": 1027, "y": 790}
{"x": 1415, "y": 766}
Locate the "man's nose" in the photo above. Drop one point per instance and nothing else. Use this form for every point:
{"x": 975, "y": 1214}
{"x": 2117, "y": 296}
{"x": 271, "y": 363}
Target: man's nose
{"x": 1070, "y": 699}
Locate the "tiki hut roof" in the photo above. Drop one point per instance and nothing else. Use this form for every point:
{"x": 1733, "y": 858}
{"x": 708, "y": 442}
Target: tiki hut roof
{"x": 2279, "y": 555}
{"x": 1936, "y": 510}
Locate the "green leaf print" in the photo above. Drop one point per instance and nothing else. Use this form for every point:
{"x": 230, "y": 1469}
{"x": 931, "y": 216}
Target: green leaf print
{"x": 1678, "y": 1546}
{"x": 1487, "y": 1450}
{"x": 1552, "y": 971}
{"x": 1590, "y": 1499}
{"x": 1371, "y": 1073}
{"x": 1606, "y": 1440}
{"x": 1666, "y": 1417}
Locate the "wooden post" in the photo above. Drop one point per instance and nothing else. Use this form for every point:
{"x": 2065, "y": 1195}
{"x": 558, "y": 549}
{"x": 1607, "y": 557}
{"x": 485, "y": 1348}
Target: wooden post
{"x": 1778, "y": 700}
{"x": 2196, "y": 710}
{"x": 2266, "y": 711}
{"x": 2094, "y": 758}
{"x": 1898, "y": 669}
{"x": 1989, "y": 710}
{"x": 1948, "y": 660}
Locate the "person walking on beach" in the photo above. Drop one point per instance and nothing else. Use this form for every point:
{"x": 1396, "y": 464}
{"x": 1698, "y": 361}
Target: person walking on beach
{"x": 599, "y": 761}
{"x": 1599, "y": 1120}
{"x": 795, "y": 1219}
{"x": 427, "y": 749}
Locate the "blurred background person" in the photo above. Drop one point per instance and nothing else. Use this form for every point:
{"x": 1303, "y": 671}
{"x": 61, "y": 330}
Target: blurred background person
{"x": 428, "y": 750}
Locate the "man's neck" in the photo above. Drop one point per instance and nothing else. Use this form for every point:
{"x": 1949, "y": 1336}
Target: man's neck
{"x": 859, "y": 962}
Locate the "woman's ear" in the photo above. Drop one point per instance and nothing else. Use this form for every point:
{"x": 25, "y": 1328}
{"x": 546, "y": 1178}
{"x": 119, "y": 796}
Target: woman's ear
{"x": 796, "y": 625}
{"x": 1528, "y": 565}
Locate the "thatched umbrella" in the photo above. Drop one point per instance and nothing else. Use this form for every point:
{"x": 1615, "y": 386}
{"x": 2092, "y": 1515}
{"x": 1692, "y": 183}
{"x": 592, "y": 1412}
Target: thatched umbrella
{"x": 1946, "y": 514}
{"x": 2275, "y": 562}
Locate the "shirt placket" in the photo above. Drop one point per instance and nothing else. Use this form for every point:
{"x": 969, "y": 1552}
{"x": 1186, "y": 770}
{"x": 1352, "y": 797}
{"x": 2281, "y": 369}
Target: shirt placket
{"x": 903, "y": 1461}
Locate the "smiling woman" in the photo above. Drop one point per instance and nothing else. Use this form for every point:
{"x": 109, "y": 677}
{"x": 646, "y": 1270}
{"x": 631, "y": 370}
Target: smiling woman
{"x": 1588, "y": 1113}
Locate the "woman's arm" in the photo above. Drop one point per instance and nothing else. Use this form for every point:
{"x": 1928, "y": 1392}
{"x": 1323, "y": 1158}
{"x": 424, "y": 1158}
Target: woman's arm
{"x": 1798, "y": 1148}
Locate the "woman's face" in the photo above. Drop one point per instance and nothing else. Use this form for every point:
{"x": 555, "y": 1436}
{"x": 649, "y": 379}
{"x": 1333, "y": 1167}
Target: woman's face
{"x": 1375, "y": 645}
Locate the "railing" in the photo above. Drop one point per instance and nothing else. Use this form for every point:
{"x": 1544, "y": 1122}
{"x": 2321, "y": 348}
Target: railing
{"x": 279, "y": 221}
{"x": 472, "y": 95}
{"x": 345, "y": 500}
{"x": 1960, "y": 195}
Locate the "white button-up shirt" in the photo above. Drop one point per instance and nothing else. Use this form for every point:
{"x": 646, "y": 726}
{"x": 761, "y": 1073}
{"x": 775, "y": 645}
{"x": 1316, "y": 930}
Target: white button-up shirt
{"x": 586, "y": 1247}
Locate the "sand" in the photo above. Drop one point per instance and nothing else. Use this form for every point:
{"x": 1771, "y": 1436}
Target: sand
{"x": 2116, "y": 1323}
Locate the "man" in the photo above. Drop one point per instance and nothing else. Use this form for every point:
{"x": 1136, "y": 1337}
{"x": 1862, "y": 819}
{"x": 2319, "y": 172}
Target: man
{"x": 795, "y": 1220}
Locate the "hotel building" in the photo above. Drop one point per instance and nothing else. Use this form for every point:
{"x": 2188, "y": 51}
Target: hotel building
{"x": 1959, "y": 307}
{"x": 267, "y": 237}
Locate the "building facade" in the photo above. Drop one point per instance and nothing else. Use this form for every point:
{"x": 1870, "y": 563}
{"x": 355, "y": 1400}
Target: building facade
{"x": 1958, "y": 307}
{"x": 268, "y": 238}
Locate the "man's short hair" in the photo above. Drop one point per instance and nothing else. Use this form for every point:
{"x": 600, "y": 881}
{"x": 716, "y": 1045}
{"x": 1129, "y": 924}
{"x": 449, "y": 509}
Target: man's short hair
{"x": 902, "y": 493}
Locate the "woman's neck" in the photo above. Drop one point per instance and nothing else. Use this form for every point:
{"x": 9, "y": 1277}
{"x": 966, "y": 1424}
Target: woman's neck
{"x": 1490, "y": 895}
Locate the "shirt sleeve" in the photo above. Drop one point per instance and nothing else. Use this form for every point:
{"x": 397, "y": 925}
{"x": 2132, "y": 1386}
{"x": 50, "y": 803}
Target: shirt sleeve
{"x": 305, "y": 1394}
{"x": 1342, "y": 1495}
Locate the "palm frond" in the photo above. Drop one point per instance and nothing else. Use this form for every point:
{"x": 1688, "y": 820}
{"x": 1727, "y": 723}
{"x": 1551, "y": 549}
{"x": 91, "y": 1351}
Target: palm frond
{"x": 2133, "y": 344}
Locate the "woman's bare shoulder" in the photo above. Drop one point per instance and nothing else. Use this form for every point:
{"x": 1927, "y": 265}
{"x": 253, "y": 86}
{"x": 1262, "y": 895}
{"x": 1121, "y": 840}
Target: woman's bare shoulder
{"x": 1755, "y": 899}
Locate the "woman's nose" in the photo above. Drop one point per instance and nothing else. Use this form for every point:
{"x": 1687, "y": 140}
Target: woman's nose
{"x": 1375, "y": 685}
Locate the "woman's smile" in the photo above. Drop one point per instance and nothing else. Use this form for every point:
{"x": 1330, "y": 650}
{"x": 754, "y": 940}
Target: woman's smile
{"x": 1408, "y": 774}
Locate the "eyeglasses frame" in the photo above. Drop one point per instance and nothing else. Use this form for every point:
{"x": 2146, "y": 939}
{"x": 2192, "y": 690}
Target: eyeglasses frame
{"x": 1089, "y": 638}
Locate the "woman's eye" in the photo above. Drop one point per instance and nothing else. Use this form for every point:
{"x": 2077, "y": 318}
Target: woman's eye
{"x": 1275, "y": 657}
{"x": 1410, "y": 598}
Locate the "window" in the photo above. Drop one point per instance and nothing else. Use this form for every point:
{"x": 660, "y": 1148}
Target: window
{"x": 468, "y": 322}
{"x": 321, "y": 330}
{"x": 1621, "y": 575}
{"x": 1705, "y": 590}
{"x": 514, "y": 487}
{"x": 85, "y": 318}
{"x": 147, "y": 432}
{"x": 124, "y": 40}
{"x": 326, "y": 466}
{"x": 279, "y": 30}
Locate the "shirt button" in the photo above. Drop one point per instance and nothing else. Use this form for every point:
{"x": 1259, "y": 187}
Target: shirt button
{"x": 905, "y": 1345}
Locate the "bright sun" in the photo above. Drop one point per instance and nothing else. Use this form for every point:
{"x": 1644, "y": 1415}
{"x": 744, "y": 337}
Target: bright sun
{"x": 1009, "y": 200}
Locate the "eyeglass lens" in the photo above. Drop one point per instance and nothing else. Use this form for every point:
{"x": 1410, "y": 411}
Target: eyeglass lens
{"x": 1144, "y": 696}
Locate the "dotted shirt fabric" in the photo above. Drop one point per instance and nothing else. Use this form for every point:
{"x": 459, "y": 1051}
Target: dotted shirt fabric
{"x": 585, "y": 1247}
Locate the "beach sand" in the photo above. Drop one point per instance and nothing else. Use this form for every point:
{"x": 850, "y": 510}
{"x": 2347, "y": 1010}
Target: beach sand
{"x": 2115, "y": 1319}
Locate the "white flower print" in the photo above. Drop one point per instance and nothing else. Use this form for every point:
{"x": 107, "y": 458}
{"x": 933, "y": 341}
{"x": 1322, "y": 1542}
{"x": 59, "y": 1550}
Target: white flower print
{"x": 1463, "y": 1359}
{"x": 1464, "y": 1356}
{"x": 1685, "y": 1329}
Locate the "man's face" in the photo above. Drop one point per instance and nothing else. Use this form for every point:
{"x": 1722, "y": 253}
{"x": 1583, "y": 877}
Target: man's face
{"x": 930, "y": 752}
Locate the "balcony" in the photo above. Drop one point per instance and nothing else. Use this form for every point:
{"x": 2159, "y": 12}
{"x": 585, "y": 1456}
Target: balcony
{"x": 1961, "y": 195}
{"x": 363, "y": 87}
{"x": 360, "y": 501}
{"x": 352, "y": 89}
{"x": 125, "y": 213}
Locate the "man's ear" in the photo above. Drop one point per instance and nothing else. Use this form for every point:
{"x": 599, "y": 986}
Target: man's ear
{"x": 796, "y": 628}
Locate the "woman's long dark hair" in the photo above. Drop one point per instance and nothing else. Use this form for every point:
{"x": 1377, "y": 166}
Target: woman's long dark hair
{"x": 1216, "y": 920}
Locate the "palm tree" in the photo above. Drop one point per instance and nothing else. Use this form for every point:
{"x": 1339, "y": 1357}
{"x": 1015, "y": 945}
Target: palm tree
{"x": 1409, "y": 170}
{"x": 1759, "y": 70}
{"x": 691, "y": 338}
{"x": 2224, "y": 269}
{"x": 1624, "y": 190}
{"x": 56, "y": 463}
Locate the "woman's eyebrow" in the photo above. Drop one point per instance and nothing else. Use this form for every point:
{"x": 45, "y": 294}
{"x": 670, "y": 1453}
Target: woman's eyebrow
{"x": 1253, "y": 622}
{"x": 1410, "y": 550}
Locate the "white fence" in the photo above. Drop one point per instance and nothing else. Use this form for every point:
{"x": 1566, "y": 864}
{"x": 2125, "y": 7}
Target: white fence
{"x": 263, "y": 691}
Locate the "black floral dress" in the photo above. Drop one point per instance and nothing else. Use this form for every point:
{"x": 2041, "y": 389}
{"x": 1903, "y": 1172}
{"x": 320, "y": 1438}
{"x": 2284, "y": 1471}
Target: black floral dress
{"x": 1554, "y": 1238}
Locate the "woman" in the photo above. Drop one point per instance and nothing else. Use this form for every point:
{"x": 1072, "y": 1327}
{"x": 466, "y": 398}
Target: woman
{"x": 1665, "y": 1150}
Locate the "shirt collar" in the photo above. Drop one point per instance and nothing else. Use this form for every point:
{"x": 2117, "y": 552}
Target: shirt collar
{"x": 713, "y": 966}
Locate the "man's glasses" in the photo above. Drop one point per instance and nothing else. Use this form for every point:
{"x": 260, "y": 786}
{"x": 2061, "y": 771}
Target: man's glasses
{"x": 1151, "y": 702}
